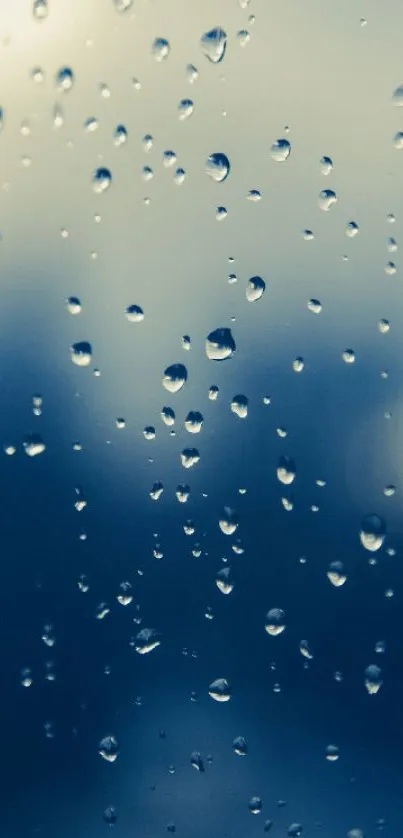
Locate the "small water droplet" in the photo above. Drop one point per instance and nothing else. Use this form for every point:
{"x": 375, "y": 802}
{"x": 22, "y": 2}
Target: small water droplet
{"x": 185, "y": 108}
{"x": 352, "y": 229}
{"x": 134, "y": 314}
{"x": 122, "y": 5}
{"x": 348, "y": 356}
{"x": 161, "y": 49}
{"x": 101, "y": 180}
{"x": 108, "y": 748}
{"x": 239, "y": 406}
{"x": 81, "y": 354}
{"x": 255, "y": 805}
{"x": 255, "y": 289}
{"x": 373, "y": 679}
{"x": 220, "y": 690}
{"x": 243, "y": 37}
{"x": 372, "y": 532}
{"x": 240, "y": 746}
{"x": 146, "y": 641}
{"x": 120, "y": 136}
{"x": 40, "y": 9}
{"x": 192, "y": 73}
{"x": 64, "y": 79}
{"x": 397, "y": 97}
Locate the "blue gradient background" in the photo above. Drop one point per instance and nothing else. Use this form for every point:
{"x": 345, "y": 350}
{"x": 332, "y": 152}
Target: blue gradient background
{"x": 312, "y": 67}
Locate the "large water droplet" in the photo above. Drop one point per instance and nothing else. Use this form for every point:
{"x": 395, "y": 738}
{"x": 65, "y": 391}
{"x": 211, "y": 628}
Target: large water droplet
{"x": 327, "y": 199}
{"x": 214, "y": 44}
{"x": 81, "y": 354}
{"x": 336, "y": 574}
{"x": 146, "y": 640}
{"x": 194, "y": 422}
{"x": 286, "y": 470}
{"x": 255, "y": 289}
{"x": 40, "y": 9}
{"x": 189, "y": 457}
{"x": 280, "y": 150}
{"x": 220, "y": 690}
{"x": 218, "y": 166}
{"x": 33, "y": 445}
{"x": 275, "y": 621}
{"x": 168, "y": 416}
{"x": 108, "y": 748}
{"x": 372, "y": 532}
{"x": 373, "y": 678}
{"x": 229, "y": 521}
{"x": 239, "y": 406}
{"x": 101, "y": 180}
{"x": 161, "y": 49}
{"x": 220, "y": 345}
{"x": 175, "y": 378}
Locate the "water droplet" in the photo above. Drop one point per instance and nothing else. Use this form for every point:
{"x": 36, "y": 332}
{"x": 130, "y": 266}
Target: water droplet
{"x": 224, "y": 581}
{"x": 81, "y": 354}
{"x": 352, "y": 229}
{"x": 315, "y": 306}
{"x": 213, "y": 393}
{"x": 389, "y": 491}
{"x": 196, "y": 761}
{"x": 175, "y": 378}
{"x": 91, "y": 124}
{"x": 58, "y": 116}
{"x": 326, "y": 165}
{"x": 255, "y": 289}
{"x": 73, "y": 305}
{"x": 280, "y": 150}
{"x": 384, "y": 326}
{"x": 221, "y": 213}
{"x": 243, "y": 37}
{"x": 229, "y": 521}
{"x": 146, "y": 640}
{"x": 122, "y": 5}
{"x": 298, "y": 365}
{"x": 194, "y": 422}
{"x": 125, "y": 596}
{"x": 134, "y": 314}
{"x": 255, "y": 805}
{"x": 109, "y": 814}
{"x": 294, "y": 830}
{"x": 64, "y": 79}
{"x": 33, "y": 445}
{"x": 275, "y": 622}
{"x": 218, "y": 166}
{"x": 26, "y": 677}
{"x": 189, "y": 457}
{"x": 336, "y": 574}
{"x": 397, "y": 98}
{"x": 168, "y": 416}
{"x": 37, "y": 75}
{"x": 192, "y": 73}
{"x": 120, "y": 136}
{"x": 183, "y": 493}
{"x": 179, "y": 176}
{"x": 149, "y": 432}
{"x": 185, "y": 108}
{"x": 254, "y": 195}
{"x": 305, "y": 650}
{"x": 161, "y": 49}
{"x": 220, "y": 690}
{"x": 214, "y": 44}
{"x": 220, "y": 345}
{"x": 398, "y": 140}
{"x": 286, "y": 471}
{"x": 390, "y": 268}
{"x": 239, "y": 406}
{"x": 108, "y": 748}
{"x": 101, "y": 180}
{"x": 308, "y": 235}
{"x": 40, "y": 9}
{"x": 372, "y": 532}
{"x": 380, "y": 647}
{"x": 348, "y": 356}
{"x": 240, "y": 746}
{"x": 156, "y": 490}
{"x": 373, "y": 679}
{"x": 327, "y": 199}
{"x": 332, "y": 753}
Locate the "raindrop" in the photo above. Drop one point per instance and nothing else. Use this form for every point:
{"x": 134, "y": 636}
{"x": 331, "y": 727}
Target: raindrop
{"x": 224, "y": 581}
{"x": 196, "y": 761}
{"x": 213, "y": 393}
{"x": 108, "y": 748}
{"x": 348, "y": 356}
{"x": 169, "y": 158}
{"x": 315, "y": 306}
{"x": 332, "y": 753}
{"x": 122, "y": 6}
{"x": 373, "y": 679}
{"x": 336, "y": 574}
{"x": 389, "y": 491}
{"x": 390, "y": 268}
{"x": 243, "y": 37}
{"x": 91, "y": 124}
{"x": 383, "y": 326}
{"x": 240, "y": 746}
{"x": 120, "y": 136}
{"x": 352, "y": 229}
{"x": 255, "y": 289}
{"x": 64, "y": 79}
{"x": 73, "y": 305}
{"x": 161, "y": 49}
{"x": 286, "y": 471}
{"x": 239, "y": 406}
{"x": 37, "y": 75}
{"x": 254, "y": 195}
{"x": 26, "y": 677}
{"x": 81, "y": 354}
{"x": 149, "y": 432}
{"x": 189, "y": 457}
{"x": 218, "y": 166}
{"x": 255, "y": 805}
{"x": 179, "y": 176}
{"x": 146, "y": 640}
{"x": 101, "y": 180}
{"x": 156, "y": 490}
{"x": 147, "y": 142}
{"x": 305, "y": 650}
{"x": 175, "y": 378}
{"x": 213, "y": 44}
{"x": 194, "y": 422}
{"x": 275, "y": 622}
{"x": 372, "y": 532}
{"x": 168, "y": 416}
{"x": 183, "y": 493}
{"x": 40, "y": 9}
{"x": 308, "y": 235}
{"x": 125, "y": 596}
{"x": 185, "y": 108}
{"x": 221, "y": 213}
{"x": 326, "y": 165}
{"x": 33, "y": 445}
{"x": 294, "y": 830}
{"x": 327, "y": 198}
{"x": 398, "y": 140}
{"x": 229, "y": 521}
{"x": 220, "y": 690}
{"x": 280, "y": 150}
{"x": 220, "y": 344}
{"x": 192, "y": 73}
{"x": 397, "y": 97}
{"x": 109, "y": 815}
{"x": 298, "y": 365}
{"x": 134, "y": 314}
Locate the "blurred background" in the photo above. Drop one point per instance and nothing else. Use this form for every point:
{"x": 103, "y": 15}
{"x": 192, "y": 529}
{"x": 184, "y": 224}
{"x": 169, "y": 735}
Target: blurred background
{"x": 130, "y": 583}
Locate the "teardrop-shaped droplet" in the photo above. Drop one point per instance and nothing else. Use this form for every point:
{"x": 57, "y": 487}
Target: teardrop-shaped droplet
{"x": 214, "y": 44}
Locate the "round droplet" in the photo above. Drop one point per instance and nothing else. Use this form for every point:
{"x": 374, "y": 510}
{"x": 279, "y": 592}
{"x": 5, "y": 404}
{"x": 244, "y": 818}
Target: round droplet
{"x": 348, "y": 356}
{"x": 239, "y": 406}
{"x": 81, "y": 354}
{"x": 221, "y": 213}
{"x": 185, "y": 108}
{"x": 179, "y": 176}
{"x": 125, "y": 595}
{"x": 332, "y": 753}
{"x": 73, "y": 305}
{"x": 161, "y": 49}
{"x": 196, "y": 761}
{"x": 372, "y": 532}
{"x": 315, "y": 306}
{"x": 101, "y": 180}
{"x": 397, "y": 97}
{"x": 220, "y": 345}
{"x": 218, "y": 166}
{"x": 255, "y": 289}
{"x": 108, "y": 748}
{"x": 37, "y": 75}
{"x": 390, "y": 268}
{"x": 389, "y": 491}
{"x": 286, "y": 471}
{"x": 214, "y": 44}
{"x": 327, "y": 199}
{"x": 229, "y": 521}
{"x": 243, "y": 37}
{"x": 280, "y": 150}
{"x": 183, "y": 493}
{"x": 308, "y": 235}
{"x": 298, "y": 365}
{"x": 326, "y": 165}
{"x": 384, "y": 326}
{"x": 146, "y": 640}
{"x": 220, "y": 690}
{"x": 64, "y": 79}
{"x": 134, "y": 314}
{"x": 168, "y": 416}
{"x": 120, "y": 136}
{"x": 352, "y": 229}
{"x": 40, "y": 9}
{"x": 373, "y": 679}
{"x": 224, "y": 581}
{"x": 149, "y": 432}
{"x": 169, "y": 158}
{"x": 175, "y": 378}
{"x": 294, "y": 830}
{"x": 194, "y": 422}
{"x": 336, "y": 574}
{"x": 255, "y": 805}
{"x": 240, "y": 746}
{"x": 275, "y": 622}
